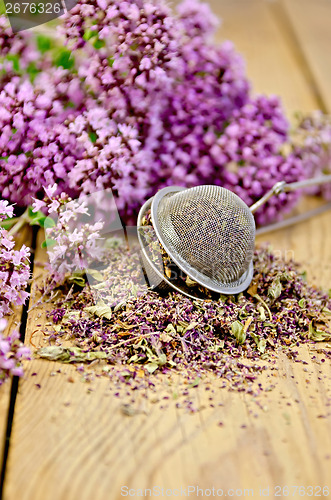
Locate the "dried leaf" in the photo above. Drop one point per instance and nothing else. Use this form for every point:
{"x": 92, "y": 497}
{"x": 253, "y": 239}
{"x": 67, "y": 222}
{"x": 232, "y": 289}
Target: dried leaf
{"x": 262, "y": 313}
{"x": 165, "y": 337}
{"x": 260, "y": 343}
{"x": 171, "y": 330}
{"x": 302, "y": 303}
{"x": 152, "y": 367}
{"x": 238, "y": 331}
{"x": 162, "y": 360}
{"x": 275, "y": 289}
{"x": 95, "y": 274}
{"x": 70, "y": 355}
{"x": 189, "y": 282}
{"x": 128, "y": 410}
{"x": 100, "y": 310}
{"x": 317, "y": 334}
{"x": 190, "y": 326}
{"x": 77, "y": 280}
{"x": 252, "y": 290}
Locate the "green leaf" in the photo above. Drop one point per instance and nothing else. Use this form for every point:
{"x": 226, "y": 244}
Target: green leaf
{"x": 243, "y": 313}
{"x": 98, "y": 44}
{"x": 162, "y": 359}
{"x": 262, "y": 313}
{"x": 49, "y": 223}
{"x": 190, "y": 326}
{"x": 93, "y": 137}
{"x": 304, "y": 275}
{"x": 64, "y": 58}
{"x": 88, "y": 34}
{"x": 32, "y": 71}
{"x": 44, "y": 43}
{"x": 31, "y": 213}
{"x": 48, "y": 243}
{"x": 36, "y": 218}
{"x": 69, "y": 104}
{"x": 238, "y": 331}
{"x": 38, "y": 221}
{"x": 15, "y": 59}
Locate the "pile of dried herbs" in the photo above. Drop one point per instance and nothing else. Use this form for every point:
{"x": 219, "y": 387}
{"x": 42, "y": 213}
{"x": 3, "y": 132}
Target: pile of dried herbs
{"x": 235, "y": 337}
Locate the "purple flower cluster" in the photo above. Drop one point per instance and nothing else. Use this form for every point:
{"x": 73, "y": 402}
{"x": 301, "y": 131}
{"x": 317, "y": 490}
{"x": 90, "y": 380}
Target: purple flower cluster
{"x": 15, "y": 48}
{"x": 149, "y": 102}
{"x": 163, "y": 89}
{"x": 36, "y": 145}
{"x": 72, "y": 245}
{"x": 12, "y": 352}
{"x": 14, "y": 267}
{"x": 250, "y": 154}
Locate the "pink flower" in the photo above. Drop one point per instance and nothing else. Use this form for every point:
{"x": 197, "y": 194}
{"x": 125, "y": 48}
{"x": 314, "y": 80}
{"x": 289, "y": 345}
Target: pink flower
{"x": 14, "y": 268}
{"x": 12, "y": 352}
{"x": 50, "y": 190}
{"x": 38, "y": 205}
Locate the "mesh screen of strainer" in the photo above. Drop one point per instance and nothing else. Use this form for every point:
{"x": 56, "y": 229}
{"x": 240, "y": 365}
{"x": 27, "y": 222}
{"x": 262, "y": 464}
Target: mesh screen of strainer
{"x": 208, "y": 231}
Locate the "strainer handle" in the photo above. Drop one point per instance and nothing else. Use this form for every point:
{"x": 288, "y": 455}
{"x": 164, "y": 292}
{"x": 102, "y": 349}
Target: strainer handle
{"x": 282, "y": 187}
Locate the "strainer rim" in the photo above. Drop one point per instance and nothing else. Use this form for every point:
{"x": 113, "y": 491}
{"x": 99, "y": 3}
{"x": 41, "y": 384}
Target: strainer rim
{"x": 246, "y": 277}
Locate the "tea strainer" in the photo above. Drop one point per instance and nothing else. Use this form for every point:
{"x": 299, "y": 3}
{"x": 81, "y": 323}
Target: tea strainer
{"x": 208, "y": 232}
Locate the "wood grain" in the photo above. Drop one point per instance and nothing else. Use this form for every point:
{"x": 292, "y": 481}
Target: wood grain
{"x": 71, "y": 439}
{"x": 311, "y": 25}
{"x": 273, "y": 64}
{"x": 13, "y": 324}
{"x": 5, "y": 391}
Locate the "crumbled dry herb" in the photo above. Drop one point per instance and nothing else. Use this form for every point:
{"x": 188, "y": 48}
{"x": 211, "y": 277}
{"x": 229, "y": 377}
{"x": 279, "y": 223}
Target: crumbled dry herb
{"x": 168, "y": 267}
{"x": 235, "y": 337}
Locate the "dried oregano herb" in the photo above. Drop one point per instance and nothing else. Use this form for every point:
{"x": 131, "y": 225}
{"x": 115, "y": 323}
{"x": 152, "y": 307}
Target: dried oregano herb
{"x": 155, "y": 333}
{"x": 170, "y": 269}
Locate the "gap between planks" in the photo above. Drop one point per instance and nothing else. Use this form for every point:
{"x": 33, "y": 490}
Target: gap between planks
{"x": 87, "y": 449}
{"x": 8, "y": 391}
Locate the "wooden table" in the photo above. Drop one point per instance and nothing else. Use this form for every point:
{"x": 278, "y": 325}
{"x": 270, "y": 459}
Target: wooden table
{"x": 69, "y": 440}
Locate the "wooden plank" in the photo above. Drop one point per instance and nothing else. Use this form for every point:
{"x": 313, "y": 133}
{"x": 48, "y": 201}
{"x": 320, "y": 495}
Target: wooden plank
{"x": 311, "y": 25}
{"x": 273, "y": 65}
{"x": 5, "y": 395}
{"x": 306, "y": 243}
{"x": 13, "y": 324}
{"x": 71, "y": 440}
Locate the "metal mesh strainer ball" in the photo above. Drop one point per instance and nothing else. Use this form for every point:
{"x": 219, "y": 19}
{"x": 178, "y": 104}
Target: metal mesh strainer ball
{"x": 209, "y": 232}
